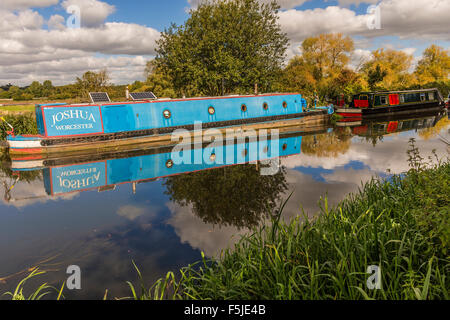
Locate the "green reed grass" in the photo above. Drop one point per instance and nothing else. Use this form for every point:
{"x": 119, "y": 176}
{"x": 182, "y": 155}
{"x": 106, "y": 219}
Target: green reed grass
{"x": 38, "y": 293}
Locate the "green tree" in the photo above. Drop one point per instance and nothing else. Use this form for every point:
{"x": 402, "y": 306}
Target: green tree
{"x": 93, "y": 82}
{"x": 225, "y": 46}
{"x": 47, "y": 88}
{"x": 35, "y": 89}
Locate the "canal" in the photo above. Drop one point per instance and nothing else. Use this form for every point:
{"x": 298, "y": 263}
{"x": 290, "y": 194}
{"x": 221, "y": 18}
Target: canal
{"x": 141, "y": 207}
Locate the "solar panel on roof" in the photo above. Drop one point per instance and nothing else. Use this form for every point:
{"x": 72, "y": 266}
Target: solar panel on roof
{"x": 142, "y": 95}
{"x": 97, "y": 97}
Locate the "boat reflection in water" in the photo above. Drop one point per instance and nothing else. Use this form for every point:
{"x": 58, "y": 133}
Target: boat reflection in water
{"x": 375, "y": 128}
{"x": 105, "y": 171}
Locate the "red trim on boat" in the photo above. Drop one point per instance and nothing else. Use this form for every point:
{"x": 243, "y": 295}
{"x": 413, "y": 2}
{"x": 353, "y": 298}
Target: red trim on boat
{"x": 392, "y": 126}
{"x": 29, "y": 150}
{"x": 361, "y": 103}
{"x": 394, "y": 100}
{"x": 349, "y": 114}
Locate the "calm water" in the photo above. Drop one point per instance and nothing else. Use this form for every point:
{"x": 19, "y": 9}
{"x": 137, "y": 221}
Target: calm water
{"x": 101, "y": 221}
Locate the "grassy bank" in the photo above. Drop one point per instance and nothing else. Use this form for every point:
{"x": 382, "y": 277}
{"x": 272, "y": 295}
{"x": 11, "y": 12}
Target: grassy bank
{"x": 17, "y": 109}
{"x": 401, "y": 225}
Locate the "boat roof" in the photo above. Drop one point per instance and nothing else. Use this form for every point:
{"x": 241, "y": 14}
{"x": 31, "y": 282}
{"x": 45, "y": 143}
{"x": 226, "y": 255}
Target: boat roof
{"x": 398, "y": 91}
{"x": 168, "y": 99}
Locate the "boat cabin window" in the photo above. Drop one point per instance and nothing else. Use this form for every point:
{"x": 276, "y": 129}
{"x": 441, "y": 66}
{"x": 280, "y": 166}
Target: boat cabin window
{"x": 430, "y": 95}
{"x": 383, "y": 100}
{"x": 363, "y": 97}
{"x": 402, "y": 98}
{"x": 422, "y": 97}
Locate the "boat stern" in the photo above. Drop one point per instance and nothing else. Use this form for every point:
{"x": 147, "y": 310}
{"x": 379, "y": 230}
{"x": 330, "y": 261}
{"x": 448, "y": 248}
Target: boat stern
{"x": 24, "y": 144}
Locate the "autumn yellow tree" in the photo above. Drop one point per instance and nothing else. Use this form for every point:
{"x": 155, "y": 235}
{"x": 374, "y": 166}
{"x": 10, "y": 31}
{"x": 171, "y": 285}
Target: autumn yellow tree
{"x": 322, "y": 61}
{"x": 327, "y": 145}
{"x": 434, "y": 65}
{"x": 389, "y": 70}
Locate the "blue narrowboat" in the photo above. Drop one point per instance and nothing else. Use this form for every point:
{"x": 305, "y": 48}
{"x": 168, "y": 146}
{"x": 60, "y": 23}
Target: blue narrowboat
{"x": 101, "y": 125}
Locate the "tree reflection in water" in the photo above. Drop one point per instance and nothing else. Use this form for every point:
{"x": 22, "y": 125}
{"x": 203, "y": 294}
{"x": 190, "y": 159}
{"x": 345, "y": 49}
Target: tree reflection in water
{"x": 236, "y": 196}
{"x": 328, "y": 145}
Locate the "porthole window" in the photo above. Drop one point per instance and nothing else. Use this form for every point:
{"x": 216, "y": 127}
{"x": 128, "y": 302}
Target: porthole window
{"x": 167, "y": 114}
{"x": 284, "y": 104}
{"x": 284, "y": 147}
{"x": 243, "y": 108}
{"x": 211, "y": 110}
{"x": 265, "y": 106}
{"x": 169, "y": 164}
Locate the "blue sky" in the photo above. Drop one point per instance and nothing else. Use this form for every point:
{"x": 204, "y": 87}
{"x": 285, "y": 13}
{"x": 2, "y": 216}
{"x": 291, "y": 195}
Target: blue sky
{"x": 120, "y": 35}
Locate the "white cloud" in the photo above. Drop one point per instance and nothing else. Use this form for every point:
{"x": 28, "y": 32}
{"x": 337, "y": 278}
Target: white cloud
{"x": 56, "y": 22}
{"x": 111, "y": 38}
{"x": 25, "y": 194}
{"x": 28, "y": 52}
{"x": 359, "y": 57}
{"x": 123, "y": 69}
{"x": 23, "y": 21}
{"x": 300, "y": 24}
{"x": 200, "y": 235}
{"x": 131, "y": 212}
{"x": 93, "y": 12}
{"x": 419, "y": 19}
{"x": 23, "y": 4}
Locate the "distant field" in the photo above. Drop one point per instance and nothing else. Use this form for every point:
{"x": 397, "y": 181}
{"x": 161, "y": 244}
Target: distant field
{"x": 17, "y": 108}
